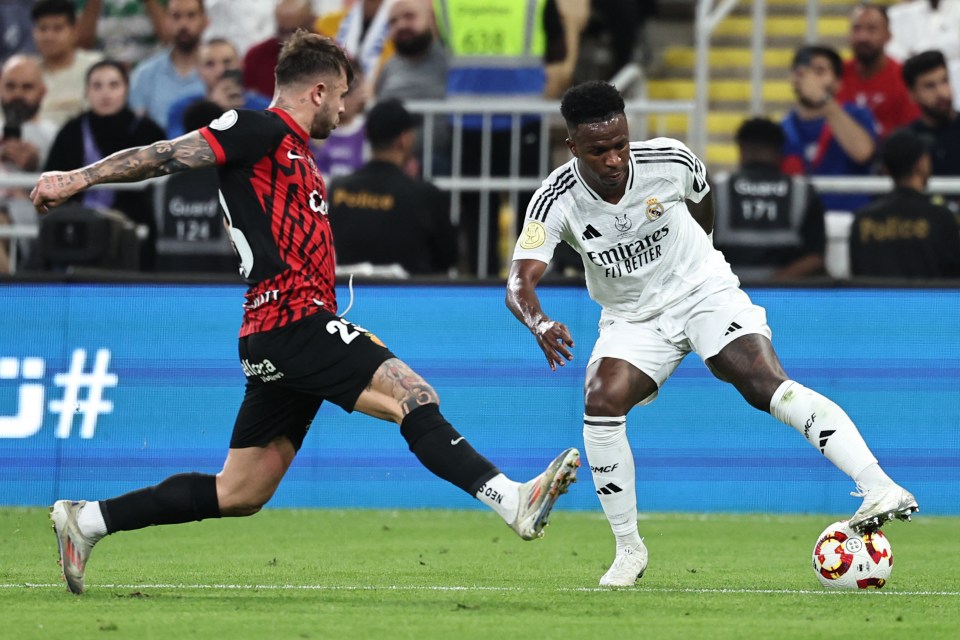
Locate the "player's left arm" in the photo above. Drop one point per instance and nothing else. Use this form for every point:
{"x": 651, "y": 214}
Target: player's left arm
{"x": 702, "y": 212}
{"x": 190, "y": 151}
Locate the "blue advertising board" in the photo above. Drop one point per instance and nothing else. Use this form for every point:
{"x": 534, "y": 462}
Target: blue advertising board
{"x": 106, "y": 388}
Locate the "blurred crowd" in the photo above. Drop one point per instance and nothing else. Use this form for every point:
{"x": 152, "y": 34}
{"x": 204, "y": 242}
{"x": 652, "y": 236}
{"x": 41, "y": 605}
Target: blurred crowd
{"x": 81, "y": 80}
{"x": 888, "y": 109}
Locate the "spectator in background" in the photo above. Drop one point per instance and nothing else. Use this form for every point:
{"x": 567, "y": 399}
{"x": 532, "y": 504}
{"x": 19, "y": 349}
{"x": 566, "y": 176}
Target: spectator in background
{"x": 361, "y": 30}
{"x": 922, "y": 25}
{"x": 926, "y": 76}
{"x": 824, "y": 136}
{"x": 513, "y": 65}
{"x": 108, "y": 126}
{"x": 417, "y": 71}
{"x": 382, "y": 216}
{"x": 261, "y": 59}
{"x": 871, "y": 78}
{"x": 63, "y": 64}
{"x": 169, "y": 75}
{"x": 216, "y": 57}
{"x": 345, "y": 149}
{"x": 769, "y": 226}
{"x": 904, "y": 235}
{"x": 126, "y": 30}
{"x": 26, "y": 137}
{"x": 242, "y": 22}
{"x": 17, "y": 32}
{"x": 200, "y": 114}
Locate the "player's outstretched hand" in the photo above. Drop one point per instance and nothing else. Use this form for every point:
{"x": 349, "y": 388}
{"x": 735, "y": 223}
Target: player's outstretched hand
{"x": 54, "y": 188}
{"x": 555, "y": 341}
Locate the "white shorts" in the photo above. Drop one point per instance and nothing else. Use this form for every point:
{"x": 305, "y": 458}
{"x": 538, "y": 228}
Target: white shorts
{"x": 705, "y": 322}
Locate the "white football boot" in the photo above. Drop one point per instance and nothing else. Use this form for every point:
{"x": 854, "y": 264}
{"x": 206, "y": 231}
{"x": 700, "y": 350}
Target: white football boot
{"x": 538, "y": 496}
{"x": 881, "y": 504}
{"x": 74, "y": 547}
{"x": 627, "y": 567}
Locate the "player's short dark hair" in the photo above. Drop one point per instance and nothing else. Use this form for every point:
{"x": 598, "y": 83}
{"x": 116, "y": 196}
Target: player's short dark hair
{"x": 306, "y": 55}
{"x": 45, "y": 8}
{"x": 113, "y": 64}
{"x": 387, "y": 121}
{"x": 901, "y": 152}
{"x": 805, "y": 54}
{"x": 590, "y": 102}
{"x": 916, "y": 66}
{"x": 760, "y": 132}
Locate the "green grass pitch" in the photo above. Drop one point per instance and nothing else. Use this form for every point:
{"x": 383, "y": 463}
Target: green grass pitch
{"x": 456, "y": 574}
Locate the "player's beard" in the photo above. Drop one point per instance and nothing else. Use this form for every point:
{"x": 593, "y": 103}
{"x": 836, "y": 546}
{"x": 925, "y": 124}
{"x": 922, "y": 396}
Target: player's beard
{"x": 324, "y": 122}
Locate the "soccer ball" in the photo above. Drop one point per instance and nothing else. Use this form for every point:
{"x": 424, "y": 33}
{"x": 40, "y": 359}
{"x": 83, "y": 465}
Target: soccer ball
{"x": 844, "y": 559}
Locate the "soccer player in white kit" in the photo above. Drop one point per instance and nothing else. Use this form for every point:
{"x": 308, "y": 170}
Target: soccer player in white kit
{"x": 641, "y": 216}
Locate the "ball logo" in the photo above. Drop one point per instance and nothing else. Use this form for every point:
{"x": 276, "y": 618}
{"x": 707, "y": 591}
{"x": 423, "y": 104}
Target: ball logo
{"x": 853, "y": 545}
{"x": 534, "y": 235}
{"x": 225, "y": 121}
{"x": 654, "y": 209}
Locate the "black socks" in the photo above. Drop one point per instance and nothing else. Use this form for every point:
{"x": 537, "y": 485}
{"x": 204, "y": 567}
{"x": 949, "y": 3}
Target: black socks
{"x": 185, "y": 497}
{"x": 445, "y": 452}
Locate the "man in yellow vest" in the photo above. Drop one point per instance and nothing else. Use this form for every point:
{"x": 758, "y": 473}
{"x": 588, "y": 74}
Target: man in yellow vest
{"x": 498, "y": 49}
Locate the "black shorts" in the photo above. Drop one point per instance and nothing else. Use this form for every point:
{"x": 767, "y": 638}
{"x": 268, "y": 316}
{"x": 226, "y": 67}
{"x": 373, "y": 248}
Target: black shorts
{"x": 291, "y": 370}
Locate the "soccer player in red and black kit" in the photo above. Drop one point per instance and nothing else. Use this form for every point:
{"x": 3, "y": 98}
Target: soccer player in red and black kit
{"x": 295, "y": 350}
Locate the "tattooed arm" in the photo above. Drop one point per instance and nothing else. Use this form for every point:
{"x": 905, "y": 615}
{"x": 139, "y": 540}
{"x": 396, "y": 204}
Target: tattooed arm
{"x": 189, "y": 151}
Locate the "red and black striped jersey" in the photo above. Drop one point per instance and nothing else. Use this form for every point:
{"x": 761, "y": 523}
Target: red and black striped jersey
{"x": 274, "y": 204}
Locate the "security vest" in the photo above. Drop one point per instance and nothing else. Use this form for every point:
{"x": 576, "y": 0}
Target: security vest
{"x": 760, "y": 212}
{"x": 496, "y": 46}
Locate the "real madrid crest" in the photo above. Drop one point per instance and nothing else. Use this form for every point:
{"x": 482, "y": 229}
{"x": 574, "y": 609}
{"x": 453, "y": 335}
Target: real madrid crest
{"x": 654, "y": 209}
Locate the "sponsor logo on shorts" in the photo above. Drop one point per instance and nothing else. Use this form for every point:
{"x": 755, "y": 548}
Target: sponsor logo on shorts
{"x": 265, "y": 370}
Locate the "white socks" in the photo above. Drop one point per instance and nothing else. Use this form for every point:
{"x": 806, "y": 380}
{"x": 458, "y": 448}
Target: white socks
{"x": 829, "y": 429}
{"x": 90, "y": 521}
{"x": 500, "y": 494}
{"x": 614, "y": 475}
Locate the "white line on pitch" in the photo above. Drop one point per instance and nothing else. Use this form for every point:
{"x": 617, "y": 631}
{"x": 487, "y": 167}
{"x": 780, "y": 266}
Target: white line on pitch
{"x": 322, "y": 587}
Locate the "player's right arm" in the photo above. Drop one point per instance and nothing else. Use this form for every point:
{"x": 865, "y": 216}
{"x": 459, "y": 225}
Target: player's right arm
{"x": 190, "y": 151}
{"x": 522, "y": 300}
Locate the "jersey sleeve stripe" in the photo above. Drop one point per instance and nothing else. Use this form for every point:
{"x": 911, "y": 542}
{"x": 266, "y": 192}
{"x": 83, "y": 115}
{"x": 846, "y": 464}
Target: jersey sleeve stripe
{"x": 655, "y": 160}
{"x": 664, "y": 150}
{"x": 214, "y": 144}
{"x": 545, "y": 194}
{"x": 548, "y": 202}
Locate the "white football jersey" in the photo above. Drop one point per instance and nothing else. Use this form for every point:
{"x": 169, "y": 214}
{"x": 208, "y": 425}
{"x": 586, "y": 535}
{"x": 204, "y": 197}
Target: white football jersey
{"x": 645, "y": 252}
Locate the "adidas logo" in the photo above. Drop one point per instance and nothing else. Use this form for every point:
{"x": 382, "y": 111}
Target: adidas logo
{"x": 612, "y": 488}
{"x": 590, "y": 233}
{"x": 824, "y": 436}
{"x": 733, "y": 327}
